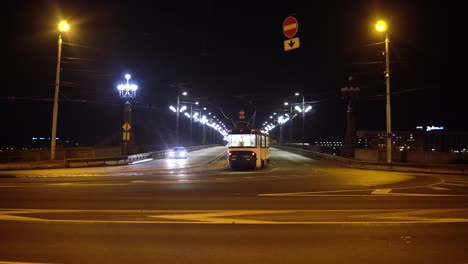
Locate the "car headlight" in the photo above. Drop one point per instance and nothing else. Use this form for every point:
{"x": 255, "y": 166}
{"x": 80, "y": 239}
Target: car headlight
{"x": 171, "y": 154}
{"x": 182, "y": 154}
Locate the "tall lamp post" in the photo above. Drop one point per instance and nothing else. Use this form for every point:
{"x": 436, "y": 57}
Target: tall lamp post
{"x": 381, "y": 26}
{"x": 281, "y": 120}
{"x": 191, "y": 116}
{"x": 303, "y": 117}
{"x": 62, "y": 27}
{"x": 350, "y": 95}
{"x": 203, "y": 120}
{"x": 177, "y": 117}
{"x": 127, "y": 91}
{"x": 291, "y": 118}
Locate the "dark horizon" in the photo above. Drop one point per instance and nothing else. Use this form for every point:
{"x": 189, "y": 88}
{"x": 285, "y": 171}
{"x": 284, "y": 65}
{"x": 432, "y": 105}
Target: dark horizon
{"x": 227, "y": 56}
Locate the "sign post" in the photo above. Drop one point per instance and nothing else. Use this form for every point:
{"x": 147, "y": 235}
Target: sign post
{"x": 290, "y": 28}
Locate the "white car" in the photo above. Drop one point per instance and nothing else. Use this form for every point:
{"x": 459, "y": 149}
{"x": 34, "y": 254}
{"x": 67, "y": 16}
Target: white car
{"x": 176, "y": 153}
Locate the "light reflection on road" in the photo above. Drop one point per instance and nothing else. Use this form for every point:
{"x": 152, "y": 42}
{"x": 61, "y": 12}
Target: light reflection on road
{"x": 175, "y": 163}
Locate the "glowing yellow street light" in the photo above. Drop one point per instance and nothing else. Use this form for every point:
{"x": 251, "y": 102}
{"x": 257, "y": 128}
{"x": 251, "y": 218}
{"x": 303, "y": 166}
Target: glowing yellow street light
{"x": 381, "y": 26}
{"x": 63, "y": 26}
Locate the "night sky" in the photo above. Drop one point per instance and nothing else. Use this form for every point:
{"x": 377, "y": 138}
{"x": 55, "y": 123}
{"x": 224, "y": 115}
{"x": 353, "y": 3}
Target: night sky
{"x": 228, "y": 55}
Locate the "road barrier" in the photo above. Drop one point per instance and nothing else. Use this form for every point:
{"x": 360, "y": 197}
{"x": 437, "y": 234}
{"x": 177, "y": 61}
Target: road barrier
{"x": 395, "y": 166}
{"x": 124, "y": 160}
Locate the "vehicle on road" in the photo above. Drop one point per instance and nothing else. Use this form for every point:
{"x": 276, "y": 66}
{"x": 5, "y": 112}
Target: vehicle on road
{"x": 248, "y": 148}
{"x": 176, "y": 153}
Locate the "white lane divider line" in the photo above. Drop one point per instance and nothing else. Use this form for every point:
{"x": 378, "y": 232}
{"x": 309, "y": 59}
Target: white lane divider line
{"x": 438, "y": 188}
{"x": 381, "y": 191}
{"x": 15, "y": 262}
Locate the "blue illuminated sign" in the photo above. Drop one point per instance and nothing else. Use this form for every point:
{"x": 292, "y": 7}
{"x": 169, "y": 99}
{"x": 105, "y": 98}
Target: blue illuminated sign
{"x": 430, "y": 128}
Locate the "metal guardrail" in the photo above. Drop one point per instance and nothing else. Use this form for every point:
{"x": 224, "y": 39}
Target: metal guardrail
{"x": 397, "y": 166}
{"x": 124, "y": 160}
{"x": 85, "y": 162}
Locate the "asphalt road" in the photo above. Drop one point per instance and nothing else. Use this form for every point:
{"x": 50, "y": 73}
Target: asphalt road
{"x": 297, "y": 210}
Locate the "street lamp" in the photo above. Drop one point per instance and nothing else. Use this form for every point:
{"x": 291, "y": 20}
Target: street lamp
{"x": 62, "y": 27}
{"x": 303, "y": 117}
{"x": 281, "y": 120}
{"x": 191, "y": 116}
{"x": 291, "y": 118}
{"x": 177, "y": 117}
{"x": 203, "y": 121}
{"x": 127, "y": 91}
{"x": 381, "y": 26}
{"x": 350, "y": 94}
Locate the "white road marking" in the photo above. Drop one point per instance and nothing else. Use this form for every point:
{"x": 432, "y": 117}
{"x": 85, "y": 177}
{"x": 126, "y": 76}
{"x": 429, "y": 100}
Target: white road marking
{"x": 456, "y": 183}
{"x": 16, "y": 262}
{"x": 222, "y": 217}
{"x": 75, "y": 184}
{"x": 312, "y": 193}
{"x": 438, "y": 188}
{"x": 381, "y": 191}
{"x": 338, "y": 193}
{"x": 415, "y": 215}
{"x": 269, "y": 217}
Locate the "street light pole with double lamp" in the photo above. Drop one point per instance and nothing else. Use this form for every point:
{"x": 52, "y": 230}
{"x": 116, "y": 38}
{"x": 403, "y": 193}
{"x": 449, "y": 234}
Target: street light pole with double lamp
{"x": 303, "y": 117}
{"x": 290, "y": 118}
{"x": 177, "y": 117}
{"x": 191, "y": 117}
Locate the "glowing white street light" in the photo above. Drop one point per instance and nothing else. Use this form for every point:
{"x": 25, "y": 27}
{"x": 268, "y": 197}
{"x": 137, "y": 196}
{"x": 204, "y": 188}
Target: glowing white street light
{"x": 127, "y": 91}
{"x": 63, "y": 26}
{"x": 381, "y": 26}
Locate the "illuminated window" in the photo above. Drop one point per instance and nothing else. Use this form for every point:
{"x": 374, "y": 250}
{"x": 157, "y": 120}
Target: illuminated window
{"x": 241, "y": 140}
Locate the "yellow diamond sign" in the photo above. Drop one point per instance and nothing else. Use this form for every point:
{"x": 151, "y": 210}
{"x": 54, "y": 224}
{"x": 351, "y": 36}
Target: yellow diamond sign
{"x": 126, "y": 126}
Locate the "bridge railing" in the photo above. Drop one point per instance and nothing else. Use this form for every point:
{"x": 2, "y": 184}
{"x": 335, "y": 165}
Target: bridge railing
{"x": 397, "y": 166}
{"x": 124, "y": 160}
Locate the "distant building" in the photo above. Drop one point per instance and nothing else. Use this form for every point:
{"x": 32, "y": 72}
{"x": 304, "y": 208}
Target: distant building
{"x": 44, "y": 142}
{"x": 418, "y": 140}
{"x": 331, "y": 147}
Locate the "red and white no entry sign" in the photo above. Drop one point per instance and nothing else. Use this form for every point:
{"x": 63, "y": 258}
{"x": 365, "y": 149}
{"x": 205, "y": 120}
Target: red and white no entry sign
{"x": 290, "y": 26}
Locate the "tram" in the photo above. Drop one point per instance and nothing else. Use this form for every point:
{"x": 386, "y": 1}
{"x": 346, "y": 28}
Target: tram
{"x": 248, "y": 148}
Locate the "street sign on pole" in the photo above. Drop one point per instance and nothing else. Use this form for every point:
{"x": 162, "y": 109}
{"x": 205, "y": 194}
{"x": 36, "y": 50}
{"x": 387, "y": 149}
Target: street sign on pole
{"x": 126, "y": 126}
{"x": 290, "y": 27}
{"x": 126, "y": 136}
{"x": 290, "y": 44}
